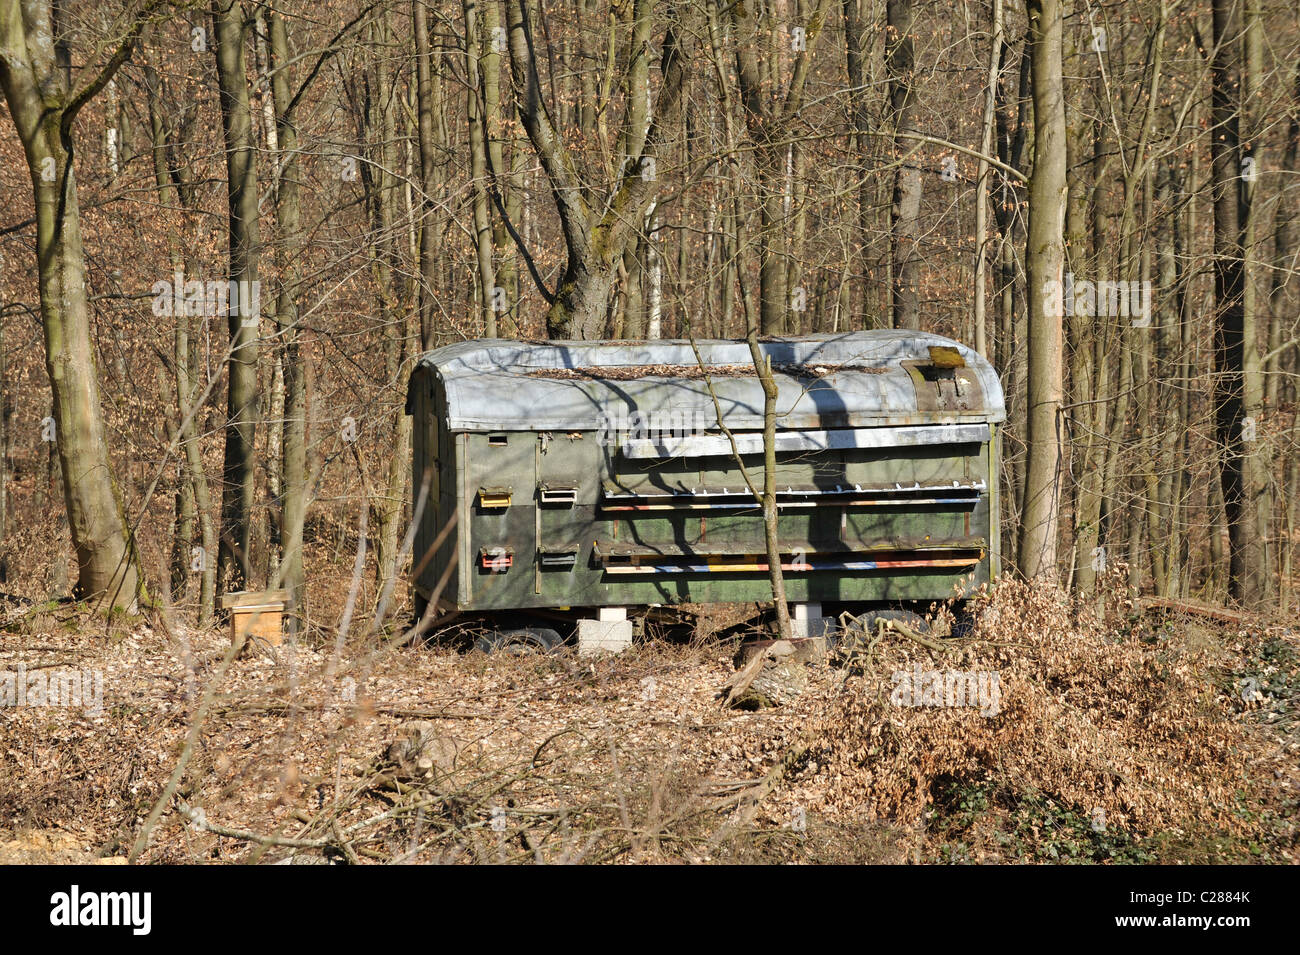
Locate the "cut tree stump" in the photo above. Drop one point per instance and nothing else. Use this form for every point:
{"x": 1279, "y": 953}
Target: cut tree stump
{"x": 772, "y": 677}
{"x": 810, "y": 650}
{"x": 419, "y": 753}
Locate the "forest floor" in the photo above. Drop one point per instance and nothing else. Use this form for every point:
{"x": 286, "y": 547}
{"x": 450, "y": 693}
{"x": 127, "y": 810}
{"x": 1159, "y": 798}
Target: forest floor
{"x": 1100, "y": 734}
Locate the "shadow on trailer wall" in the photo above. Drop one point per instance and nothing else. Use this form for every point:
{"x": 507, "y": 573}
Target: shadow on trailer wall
{"x": 576, "y": 476}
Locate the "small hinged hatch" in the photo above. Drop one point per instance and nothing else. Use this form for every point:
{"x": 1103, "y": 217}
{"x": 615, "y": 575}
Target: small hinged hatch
{"x": 561, "y": 556}
{"x": 494, "y": 497}
{"x": 557, "y": 494}
{"x": 496, "y": 560}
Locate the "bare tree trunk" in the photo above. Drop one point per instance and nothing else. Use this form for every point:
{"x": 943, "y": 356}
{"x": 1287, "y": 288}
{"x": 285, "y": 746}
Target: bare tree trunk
{"x": 1044, "y": 260}
{"x": 1284, "y": 250}
{"x": 507, "y": 278}
{"x": 988, "y": 126}
{"x": 293, "y": 440}
{"x": 243, "y": 317}
{"x": 389, "y": 505}
{"x": 796, "y": 217}
{"x": 478, "y": 156}
{"x": 1013, "y": 123}
{"x": 855, "y": 46}
{"x": 1286, "y": 226}
{"x": 1085, "y": 486}
{"x": 1236, "y": 381}
{"x": 1164, "y": 425}
{"x": 204, "y": 560}
{"x": 43, "y": 108}
{"x": 1184, "y": 237}
{"x": 771, "y": 514}
{"x": 428, "y": 89}
{"x": 1146, "y": 500}
{"x": 1257, "y": 462}
{"x": 904, "y": 219}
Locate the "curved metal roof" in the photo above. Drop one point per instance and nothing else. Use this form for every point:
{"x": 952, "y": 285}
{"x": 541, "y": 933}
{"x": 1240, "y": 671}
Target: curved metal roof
{"x": 854, "y": 379}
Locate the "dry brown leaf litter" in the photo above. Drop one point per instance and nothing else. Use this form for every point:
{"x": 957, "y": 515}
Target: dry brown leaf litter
{"x": 626, "y": 758}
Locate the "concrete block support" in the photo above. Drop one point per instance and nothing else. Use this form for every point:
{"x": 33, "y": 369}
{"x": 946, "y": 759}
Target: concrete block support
{"x": 806, "y": 620}
{"x": 610, "y": 633}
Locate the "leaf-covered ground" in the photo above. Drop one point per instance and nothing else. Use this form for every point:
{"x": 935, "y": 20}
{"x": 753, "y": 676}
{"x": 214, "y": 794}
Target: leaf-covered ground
{"x": 1115, "y": 737}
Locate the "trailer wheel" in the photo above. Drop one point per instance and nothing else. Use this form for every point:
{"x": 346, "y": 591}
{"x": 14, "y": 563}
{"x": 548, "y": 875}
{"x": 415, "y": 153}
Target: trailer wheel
{"x": 527, "y": 640}
{"x": 963, "y": 624}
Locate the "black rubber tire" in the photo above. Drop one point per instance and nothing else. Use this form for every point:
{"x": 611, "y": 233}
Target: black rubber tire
{"x": 419, "y": 604}
{"x": 963, "y": 624}
{"x": 525, "y": 640}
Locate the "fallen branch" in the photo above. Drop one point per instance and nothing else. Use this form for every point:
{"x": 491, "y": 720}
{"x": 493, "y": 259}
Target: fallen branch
{"x": 1195, "y": 608}
{"x": 748, "y": 800}
{"x": 200, "y": 821}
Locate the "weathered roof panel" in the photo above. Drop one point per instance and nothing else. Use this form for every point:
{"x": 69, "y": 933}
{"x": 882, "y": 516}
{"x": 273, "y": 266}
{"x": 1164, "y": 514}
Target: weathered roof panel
{"x": 857, "y": 379}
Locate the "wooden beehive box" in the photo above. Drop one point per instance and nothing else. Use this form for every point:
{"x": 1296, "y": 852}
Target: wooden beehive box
{"x": 256, "y": 613}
